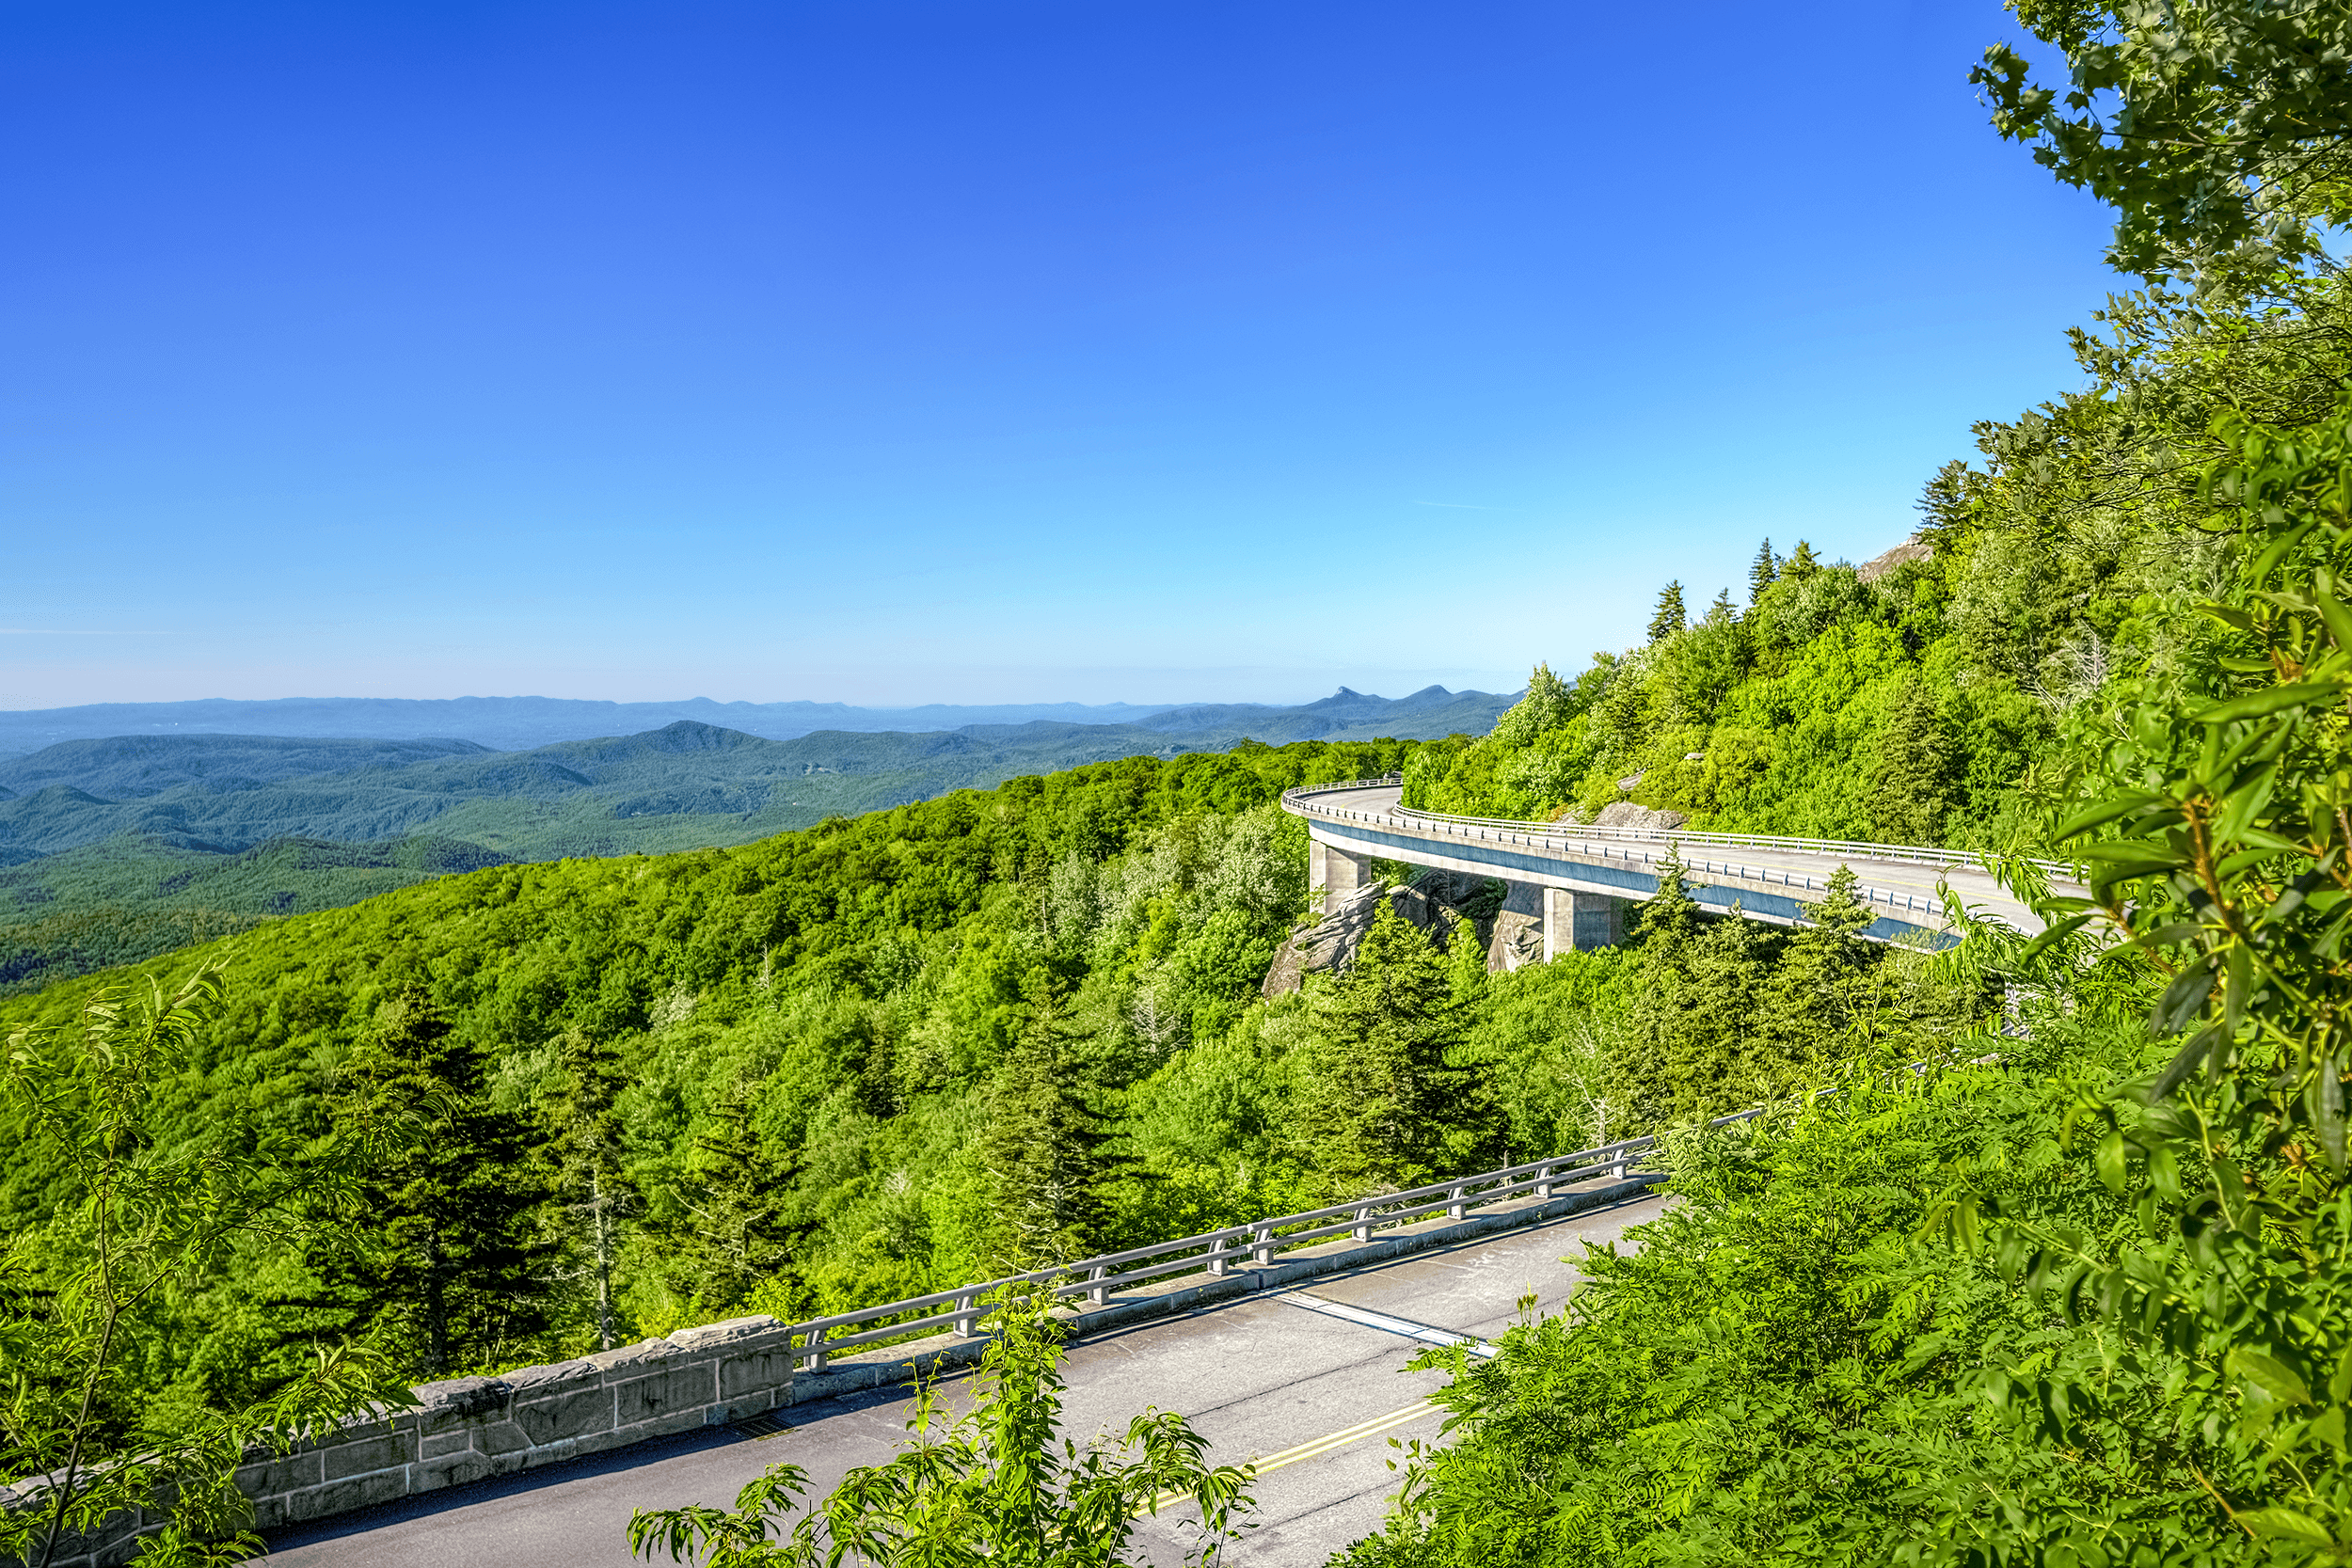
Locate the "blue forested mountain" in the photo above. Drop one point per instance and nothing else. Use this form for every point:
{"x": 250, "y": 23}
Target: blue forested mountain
{"x": 519, "y": 723}
{"x": 115, "y": 850}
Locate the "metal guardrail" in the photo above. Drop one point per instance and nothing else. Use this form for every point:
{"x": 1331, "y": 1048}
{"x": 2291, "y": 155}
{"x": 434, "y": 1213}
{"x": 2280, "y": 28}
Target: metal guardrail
{"x": 1218, "y": 1252}
{"x": 1604, "y": 841}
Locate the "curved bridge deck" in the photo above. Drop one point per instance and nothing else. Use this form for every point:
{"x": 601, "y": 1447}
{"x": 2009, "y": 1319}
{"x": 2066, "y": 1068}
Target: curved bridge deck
{"x": 1766, "y": 879}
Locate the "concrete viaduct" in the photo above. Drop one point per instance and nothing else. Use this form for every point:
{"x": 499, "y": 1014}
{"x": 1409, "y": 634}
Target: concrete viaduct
{"x": 1576, "y": 881}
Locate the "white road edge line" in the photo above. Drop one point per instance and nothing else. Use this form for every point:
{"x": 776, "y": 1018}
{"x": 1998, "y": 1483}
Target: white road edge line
{"x": 1406, "y": 1326}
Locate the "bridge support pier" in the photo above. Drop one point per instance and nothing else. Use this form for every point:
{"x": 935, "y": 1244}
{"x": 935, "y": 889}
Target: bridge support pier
{"x": 1338, "y": 873}
{"x": 1580, "y": 922}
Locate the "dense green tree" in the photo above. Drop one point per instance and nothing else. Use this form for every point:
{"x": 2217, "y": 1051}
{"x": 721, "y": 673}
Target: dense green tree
{"x": 1819, "y": 990}
{"x": 451, "y": 1267}
{"x": 1670, "y": 616}
{"x": 1912, "y": 771}
{"x": 1043, "y": 1149}
{"x": 1381, "y": 1091}
{"x": 585, "y": 1147}
{"x": 1800, "y": 563}
{"x": 733, "y": 1230}
{"x": 1763, "y": 573}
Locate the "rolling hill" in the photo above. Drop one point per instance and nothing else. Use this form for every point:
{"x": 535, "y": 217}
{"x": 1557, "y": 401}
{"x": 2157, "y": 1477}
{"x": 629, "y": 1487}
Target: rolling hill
{"x": 117, "y": 848}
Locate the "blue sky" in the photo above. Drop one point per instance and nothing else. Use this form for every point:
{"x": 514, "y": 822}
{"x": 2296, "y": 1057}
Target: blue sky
{"x": 886, "y": 352}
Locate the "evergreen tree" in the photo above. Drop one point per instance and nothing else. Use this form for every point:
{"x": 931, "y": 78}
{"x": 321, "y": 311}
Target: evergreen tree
{"x": 1043, "y": 1149}
{"x": 1818, "y": 989}
{"x": 1684, "y": 1054}
{"x": 1671, "y": 617}
{"x": 1380, "y": 1095}
{"x": 584, "y": 1147}
{"x": 1800, "y": 563}
{"x": 451, "y": 1271}
{"x": 735, "y": 1232}
{"x": 1912, "y": 771}
{"x": 1723, "y": 611}
{"x": 1764, "y": 573}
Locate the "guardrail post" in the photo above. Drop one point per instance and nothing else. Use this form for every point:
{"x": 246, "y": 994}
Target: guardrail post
{"x": 816, "y": 1348}
{"x": 1543, "y": 1182}
{"x": 1217, "y": 1255}
{"x": 967, "y": 1321}
{"x": 1455, "y": 1207}
{"x": 1099, "y": 1293}
{"x": 1363, "y": 1222}
{"x": 1262, "y": 1249}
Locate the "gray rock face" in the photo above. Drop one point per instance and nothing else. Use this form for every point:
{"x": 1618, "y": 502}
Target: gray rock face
{"x": 1913, "y": 548}
{"x": 1447, "y": 904}
{"x": 1625, "y": 813}
{"x": 1517, "y": 937}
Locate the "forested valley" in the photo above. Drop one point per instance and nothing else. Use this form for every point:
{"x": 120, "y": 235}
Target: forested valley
{"x": 2040, "y": 1253}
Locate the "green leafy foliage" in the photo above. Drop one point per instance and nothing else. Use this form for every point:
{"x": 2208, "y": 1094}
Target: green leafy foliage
{"x": 141, "y": 1212}
{"x": 2219, "y": 130}
{"x": 999, "y": 1485}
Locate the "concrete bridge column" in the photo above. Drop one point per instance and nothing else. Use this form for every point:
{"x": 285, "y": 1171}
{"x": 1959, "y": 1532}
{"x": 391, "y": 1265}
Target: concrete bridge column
{"x": 1580, "y": 922}
{"x": 1335, "y": 871}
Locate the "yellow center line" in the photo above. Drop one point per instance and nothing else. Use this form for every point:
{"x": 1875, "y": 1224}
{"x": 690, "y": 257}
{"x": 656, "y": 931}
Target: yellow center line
{"x": 1324, "y": 1445}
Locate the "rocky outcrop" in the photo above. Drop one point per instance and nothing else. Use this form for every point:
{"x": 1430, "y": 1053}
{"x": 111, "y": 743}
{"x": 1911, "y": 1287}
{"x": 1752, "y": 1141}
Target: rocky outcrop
{"x": 1517, "y": 936}
{"x": 1625, "y": 813}
{"x": 1913, "y": 548}
{"x": 1450, "y": 905}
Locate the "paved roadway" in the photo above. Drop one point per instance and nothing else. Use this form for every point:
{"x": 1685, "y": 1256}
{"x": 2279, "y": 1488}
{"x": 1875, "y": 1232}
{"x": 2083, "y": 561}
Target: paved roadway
{"x": 1976, "y": 889}
{"x": 1315, "y": 1384}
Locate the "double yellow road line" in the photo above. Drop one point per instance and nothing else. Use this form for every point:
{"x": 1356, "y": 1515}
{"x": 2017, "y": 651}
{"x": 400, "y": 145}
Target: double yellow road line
{"x": 1338, "y": 1439}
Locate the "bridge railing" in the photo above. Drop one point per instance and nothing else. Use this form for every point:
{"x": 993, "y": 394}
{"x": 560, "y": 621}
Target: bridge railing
{"x": 1254, "y": 1245}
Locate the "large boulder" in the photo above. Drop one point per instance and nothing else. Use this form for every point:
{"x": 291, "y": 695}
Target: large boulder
{"x": 1625, "y": 813}
{"x": 1443, "y": 903}
{"x": 1518, "y": 935}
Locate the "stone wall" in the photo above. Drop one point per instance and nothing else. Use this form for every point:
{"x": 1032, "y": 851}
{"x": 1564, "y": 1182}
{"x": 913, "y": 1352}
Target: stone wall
{"x": 473, "y": 1427}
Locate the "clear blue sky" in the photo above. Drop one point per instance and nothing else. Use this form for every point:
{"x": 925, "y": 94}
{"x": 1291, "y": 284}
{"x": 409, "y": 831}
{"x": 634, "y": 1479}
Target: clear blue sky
{"x": 886, "y": 352}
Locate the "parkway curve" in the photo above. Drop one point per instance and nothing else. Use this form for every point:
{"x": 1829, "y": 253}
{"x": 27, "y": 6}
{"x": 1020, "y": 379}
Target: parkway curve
{"x": 1585, "y": 875}
{"x": 1308, "y": 1381}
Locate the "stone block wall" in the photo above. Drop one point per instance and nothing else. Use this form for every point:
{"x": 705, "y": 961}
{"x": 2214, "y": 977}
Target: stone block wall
{"x": 471, "y": 1427}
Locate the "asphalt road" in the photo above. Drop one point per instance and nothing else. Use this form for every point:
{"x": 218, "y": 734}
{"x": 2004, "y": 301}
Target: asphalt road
{"x": 1311, "y": 1382}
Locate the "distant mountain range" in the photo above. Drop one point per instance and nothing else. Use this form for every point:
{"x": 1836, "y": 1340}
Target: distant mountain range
{"x": 118, "y": 848}
{"x": 518, "y": 723}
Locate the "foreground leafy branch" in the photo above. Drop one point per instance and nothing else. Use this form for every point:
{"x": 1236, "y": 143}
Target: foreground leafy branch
{"x": 137, "y": 1220}
{"x": 997, "y": 1486}
{"x": 2224, "y": 860}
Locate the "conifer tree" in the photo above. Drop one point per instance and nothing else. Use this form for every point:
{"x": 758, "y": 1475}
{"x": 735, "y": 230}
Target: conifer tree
{"x": 1671, "y": 617}
{"x": 1379, "y": 1090}
{"x": 1818, "y": 990}
{"x": 1685, "y": 1052}
{"x": 1800, "y": 563}
{"x": 1764, "y": 573}
{"x": 451, "y": 1268}
{"x": 585, "y": 1148}
{"x": 1723, "y": 611}
{"x": 1044, "y": 1146}
{"x": 1912, "y": 771}
{"x": 736, "y": 1232}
